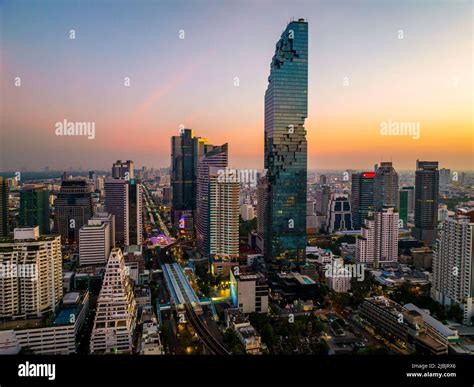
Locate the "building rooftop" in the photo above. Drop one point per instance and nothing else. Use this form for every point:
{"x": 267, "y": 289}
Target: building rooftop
{"x": 437, "y": 325}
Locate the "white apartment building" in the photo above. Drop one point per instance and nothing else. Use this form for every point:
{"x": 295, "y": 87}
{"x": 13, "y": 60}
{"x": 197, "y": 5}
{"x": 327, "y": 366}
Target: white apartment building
{"x": 57, "y": 338}
{"x": 223, "y": 217}
{"x": 116, "y": 313}
{"x": 94, "y": 243}
{"x": 378, "y": 242}
{"x": 340, "y": 277}
{"x": 31, "y": 277}
{"x": 453, "y": 258}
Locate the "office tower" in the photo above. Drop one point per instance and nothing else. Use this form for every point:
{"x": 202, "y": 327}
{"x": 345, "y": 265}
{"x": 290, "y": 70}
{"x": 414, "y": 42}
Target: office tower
{"x": 262, "y": 202}
{"x": 186, "y": 150}
{"x": 444, "y": 177}
{"x": 406, "y": 200}
{"x": 109, "y": 219}
{"x": 34, "y": 207}
{"x": 135, "y": 212}
{"x": 247, "y": 212}
{"x": 249, "y": 292}
{"x": 426, "y": 201}
{"x": 378, "y": 243}
{"x": 323, "y": 195}
{"x": 94, "y": 243}
{"x": 453, "y": 265}
{"x": 4, "y": 192}
{"x": 362, "y": 198}
{"x": 385, "y": 186}
{"x": 116, "y": 313}
{"x": 123, "y": 170}
{"x": 218, "y": 158}
{"x": 323, "y": 180}
{"x": 34, "y": 285}
{"x": 286, "y": 107}
{"x": 182, "y": 174}
{"x": 72, "y": 209}
{"x": 116, "y": 203}
{"x": 339, "y": 216}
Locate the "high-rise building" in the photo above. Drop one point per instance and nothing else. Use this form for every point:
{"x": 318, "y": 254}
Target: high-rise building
{"x": 186, "y": 150}
{"x": 406, "y": 200}
{"x": 444, "y": 177}
{"x": 34, "y": 207}
{"x": 117, "y": 204}
{"x": 223, "y": 223}
{"x": 385, "y": 186}
{"x": 217, "y": 214}
{"x": 378, "y": 243}
{"x": 105, "y": 217}
{"x": 116, "y": 313}
{"x": 4, "y": 192}
{"x": 32, "y": 280}
{"x": 362, "y": 197}
{"x": 286, "y": 108}
{"x": 339, "y": 216}
{"x": 94, "y": 243}
{"x": 426, "y": 201}
{"x": 135, "y": 212}
{"x": 453, "y": 265}
{"x": 323, "y": 180}
{"x": 72, "y": 209}
{"x": 123, "y": 170}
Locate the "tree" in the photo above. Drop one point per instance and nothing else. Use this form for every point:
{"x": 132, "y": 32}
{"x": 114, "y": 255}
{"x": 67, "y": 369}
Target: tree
{"x": 268, "y": 335}
{"x": 455, "y": 312}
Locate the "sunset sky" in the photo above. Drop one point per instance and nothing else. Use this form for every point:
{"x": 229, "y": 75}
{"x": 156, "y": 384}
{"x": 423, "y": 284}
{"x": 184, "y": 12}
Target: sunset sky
{"x": 426, "y": 77}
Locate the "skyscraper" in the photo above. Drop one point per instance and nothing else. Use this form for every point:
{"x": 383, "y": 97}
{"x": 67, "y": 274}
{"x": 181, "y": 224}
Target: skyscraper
{"x": 135, "y": 212}
{"x": 362, "y": 197}
{"x": 339, "y": 213}
{"x": 218, "y": 158}
{"x": 4, "y": 191}
{"x": 378, "y": 243}
{"x": 286, "y": 108}
{"x": 115, "y": 319}
{"x": 72, "y": 209}
{"x": 123, "y": 170}
{"x": 34, "y": 207}
{"x": 223, "y": 216}
{"x": 116, "y": 203}
{"x": 453, "y": 270}
{"x": 444, "y": 177}
{"x": 426, "y": 201}
{"x": 94, "y": 243}
{"x": 385, "y": 186}
{"x": 406, "y": 201}
{"x": 37, "y": 286}
{"x": 186, "y": 150}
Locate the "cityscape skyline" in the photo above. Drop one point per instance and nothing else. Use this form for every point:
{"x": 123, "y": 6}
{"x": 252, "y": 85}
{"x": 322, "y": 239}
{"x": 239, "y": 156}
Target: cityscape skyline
{"x": 84, "y": 79}
{"x": 153, "y": 203}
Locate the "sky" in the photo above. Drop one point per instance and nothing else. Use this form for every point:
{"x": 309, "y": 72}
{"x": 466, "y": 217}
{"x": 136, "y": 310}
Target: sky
{"x": 370, "y": 63}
